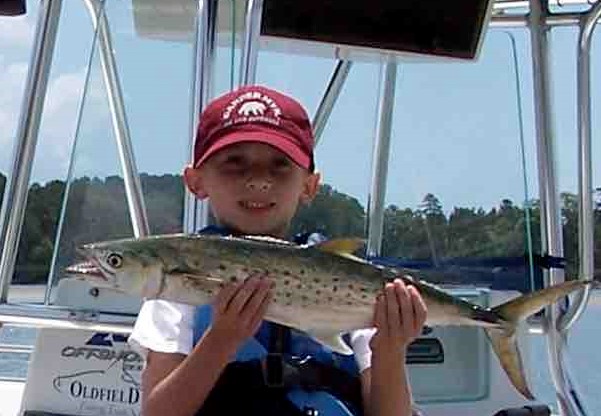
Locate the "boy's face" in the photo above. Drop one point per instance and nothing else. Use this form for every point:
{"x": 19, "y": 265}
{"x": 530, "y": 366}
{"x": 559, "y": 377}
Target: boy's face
{"x": 253, "y": 187}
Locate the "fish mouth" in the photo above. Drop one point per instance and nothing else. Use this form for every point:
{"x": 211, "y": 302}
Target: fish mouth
{"x": 87, "y": 270}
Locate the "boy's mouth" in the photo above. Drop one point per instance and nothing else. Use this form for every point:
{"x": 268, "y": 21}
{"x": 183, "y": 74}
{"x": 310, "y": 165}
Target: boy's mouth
{"x": 256, "y": 205}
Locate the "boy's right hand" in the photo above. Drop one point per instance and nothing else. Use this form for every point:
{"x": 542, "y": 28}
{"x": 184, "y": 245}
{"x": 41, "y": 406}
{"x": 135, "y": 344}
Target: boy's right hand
{"x": 238, "y": 311}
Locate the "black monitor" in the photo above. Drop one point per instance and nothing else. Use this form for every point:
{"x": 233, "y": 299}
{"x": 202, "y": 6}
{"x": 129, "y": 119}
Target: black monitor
{"x": 12, "y": 7}
{"x": 428, "y": 27}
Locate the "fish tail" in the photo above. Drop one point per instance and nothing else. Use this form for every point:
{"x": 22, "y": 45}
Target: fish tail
{"x": 505, "y": 346}
{"x": 503, "y": 339}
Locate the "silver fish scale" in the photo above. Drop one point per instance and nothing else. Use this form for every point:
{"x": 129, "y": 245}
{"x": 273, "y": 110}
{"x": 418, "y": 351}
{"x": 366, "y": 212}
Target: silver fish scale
{"x": 296, "y": 287}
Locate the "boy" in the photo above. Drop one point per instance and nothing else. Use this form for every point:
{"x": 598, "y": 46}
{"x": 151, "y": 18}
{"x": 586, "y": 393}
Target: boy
{"x": 254, "y": 162}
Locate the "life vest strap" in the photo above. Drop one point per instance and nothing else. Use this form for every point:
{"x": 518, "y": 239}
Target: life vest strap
{"x": 312, "y": 375}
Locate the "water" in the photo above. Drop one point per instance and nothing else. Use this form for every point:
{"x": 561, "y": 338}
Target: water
{"x": 584, "y": 360}
{"x": 14, "y": 365}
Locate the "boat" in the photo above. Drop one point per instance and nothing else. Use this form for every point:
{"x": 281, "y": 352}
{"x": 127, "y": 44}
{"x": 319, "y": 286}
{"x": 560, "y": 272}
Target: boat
{"x": 385, "y": 82}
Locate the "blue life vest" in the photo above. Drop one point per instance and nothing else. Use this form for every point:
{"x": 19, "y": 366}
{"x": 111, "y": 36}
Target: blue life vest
{"x": 300, "y": 346}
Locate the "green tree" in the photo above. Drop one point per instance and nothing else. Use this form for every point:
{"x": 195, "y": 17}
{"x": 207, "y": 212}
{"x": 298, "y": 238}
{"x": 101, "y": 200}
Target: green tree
{"x": 333, "y": 213}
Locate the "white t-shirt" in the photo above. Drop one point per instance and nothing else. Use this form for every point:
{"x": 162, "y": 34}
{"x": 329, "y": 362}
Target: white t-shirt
{"x": 168, "y": 327}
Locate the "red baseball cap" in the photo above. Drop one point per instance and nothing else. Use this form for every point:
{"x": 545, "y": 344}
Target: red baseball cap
{"x": 255, "y": 114}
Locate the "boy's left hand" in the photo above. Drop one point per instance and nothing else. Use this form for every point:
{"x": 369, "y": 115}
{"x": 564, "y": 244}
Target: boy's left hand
{"x": 399, "y": 316}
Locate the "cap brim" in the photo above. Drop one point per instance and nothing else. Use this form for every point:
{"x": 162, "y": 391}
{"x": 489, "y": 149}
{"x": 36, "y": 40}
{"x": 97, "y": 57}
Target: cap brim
{"x": 281, "y": 142}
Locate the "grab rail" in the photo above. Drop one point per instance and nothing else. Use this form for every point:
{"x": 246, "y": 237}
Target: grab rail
{"x": 57, "y": 317}
{"x": 586, "y": 218}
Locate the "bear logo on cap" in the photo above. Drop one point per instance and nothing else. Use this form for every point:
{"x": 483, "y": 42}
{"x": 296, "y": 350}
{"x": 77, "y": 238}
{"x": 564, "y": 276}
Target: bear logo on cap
{"x": 252, "y": 108}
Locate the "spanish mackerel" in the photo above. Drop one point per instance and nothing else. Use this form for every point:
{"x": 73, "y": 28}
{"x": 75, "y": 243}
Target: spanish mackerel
{"x": 322, "y": 290}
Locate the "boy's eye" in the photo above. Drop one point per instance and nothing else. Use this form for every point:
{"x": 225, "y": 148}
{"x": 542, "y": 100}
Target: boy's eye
{"x": 233, "y": 162}
{"x": 282, "y": 163}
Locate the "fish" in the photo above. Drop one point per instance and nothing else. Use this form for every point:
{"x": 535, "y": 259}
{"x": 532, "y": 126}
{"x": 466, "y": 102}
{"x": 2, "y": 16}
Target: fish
{"x": 323, "y": 290}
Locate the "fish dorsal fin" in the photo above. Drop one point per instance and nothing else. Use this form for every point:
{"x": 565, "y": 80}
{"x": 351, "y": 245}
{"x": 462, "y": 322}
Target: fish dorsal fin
{"x": 340, "y": 246}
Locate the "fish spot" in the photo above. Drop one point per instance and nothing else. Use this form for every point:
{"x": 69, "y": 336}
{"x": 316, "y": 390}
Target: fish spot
{"x": 233, "y": 279}
{"x": 302, "y": 271}
{"x": 286, "y": 282}
{"x": 349, "y": 303}
{"x": 288, "y": 294}
{"x": 334, "y": 288}
{"x": 316, "y": 280}
{"x": 335, "y": 279}
{"x": 363, "y": 296}
{"x": 299, "y": 286}
{"x": 286, "y": 273}
{"x": 222, "y": 267}
{"x": 318, "y": 292}
{"x": 350, "y": 286}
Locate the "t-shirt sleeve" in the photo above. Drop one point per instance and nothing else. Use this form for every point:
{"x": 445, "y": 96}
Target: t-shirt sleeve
{"x": 360, "y": 345}
{"x": 163, "y": 326}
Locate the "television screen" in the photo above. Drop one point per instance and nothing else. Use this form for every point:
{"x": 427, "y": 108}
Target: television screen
{"x": 429, "y": 27}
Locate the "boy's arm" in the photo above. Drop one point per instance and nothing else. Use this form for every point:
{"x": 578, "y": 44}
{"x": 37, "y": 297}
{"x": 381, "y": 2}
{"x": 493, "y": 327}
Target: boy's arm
{"x": 177, "y": 385}
{"x": 400, "y": 314}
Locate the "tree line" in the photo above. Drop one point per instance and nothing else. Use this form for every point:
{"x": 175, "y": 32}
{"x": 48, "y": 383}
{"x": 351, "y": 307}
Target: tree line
{"x": 96, "y": 209}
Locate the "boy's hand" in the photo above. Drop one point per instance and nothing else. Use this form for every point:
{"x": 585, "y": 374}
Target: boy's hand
{"x": 400, "y": 314}
{"x": 238, "y": 311}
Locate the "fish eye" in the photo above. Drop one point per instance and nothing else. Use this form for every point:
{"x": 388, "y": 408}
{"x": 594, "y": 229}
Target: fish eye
{"x": 114, "y": 260}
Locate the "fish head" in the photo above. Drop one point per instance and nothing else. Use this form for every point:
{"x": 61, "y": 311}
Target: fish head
{"x": 112, "y": 266}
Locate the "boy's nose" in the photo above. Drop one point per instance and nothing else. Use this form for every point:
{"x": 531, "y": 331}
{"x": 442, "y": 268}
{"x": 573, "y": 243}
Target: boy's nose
{"x": 258, "y": 184}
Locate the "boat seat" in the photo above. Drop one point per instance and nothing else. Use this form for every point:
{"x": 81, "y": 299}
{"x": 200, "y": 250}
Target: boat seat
{"x": 12, "y": 7}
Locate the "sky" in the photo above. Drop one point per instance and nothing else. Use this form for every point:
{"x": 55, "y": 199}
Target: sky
{"x": 455, "y": 126}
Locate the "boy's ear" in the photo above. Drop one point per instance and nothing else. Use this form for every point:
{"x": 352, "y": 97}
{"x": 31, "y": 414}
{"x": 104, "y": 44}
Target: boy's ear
{"x": 193, "y": 181}
{"x": 310, "y": 188}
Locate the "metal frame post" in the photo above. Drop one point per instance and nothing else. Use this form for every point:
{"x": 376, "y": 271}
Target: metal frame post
{"x": 551, "y": 231}
{"x": 250, "y": 48}
{"x": 131, "y": 177}
{"x": 381, "y": 153}
{"x": 196, "y": 213}
{"x": 586, "y": 218}
{"x": 15, "y": 193}
{"x": 333, "y": 90}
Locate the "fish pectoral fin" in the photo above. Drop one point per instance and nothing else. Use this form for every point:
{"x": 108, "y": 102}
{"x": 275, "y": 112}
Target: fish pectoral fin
{"x": 341, "y": 246}
{"x": 175, "y": 273}
{"x": 332, "y": 340}
{"x": 505, "y": 346}
{"x": 266, "y": 239}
